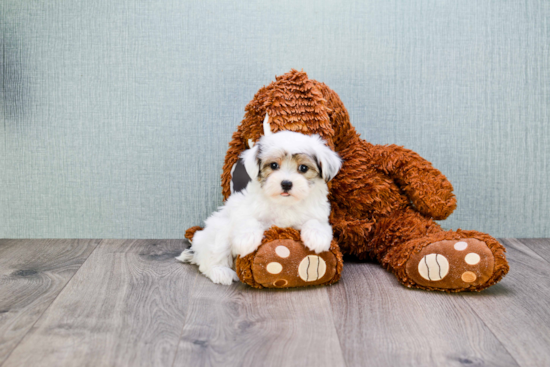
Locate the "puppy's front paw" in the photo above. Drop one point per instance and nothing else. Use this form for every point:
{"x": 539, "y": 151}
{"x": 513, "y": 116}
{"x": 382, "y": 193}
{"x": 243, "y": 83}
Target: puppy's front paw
{"x": 223, "y": 275}
{"x": 246, "y": 242}
{"x": 317, "y": 237}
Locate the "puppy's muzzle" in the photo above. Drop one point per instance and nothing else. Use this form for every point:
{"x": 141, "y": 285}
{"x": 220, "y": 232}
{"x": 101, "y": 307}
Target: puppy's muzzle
{"x": 286, "y": 185}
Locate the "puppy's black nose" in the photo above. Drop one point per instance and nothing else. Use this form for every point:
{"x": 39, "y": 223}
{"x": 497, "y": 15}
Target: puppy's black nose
{"x": 286, "y": 185}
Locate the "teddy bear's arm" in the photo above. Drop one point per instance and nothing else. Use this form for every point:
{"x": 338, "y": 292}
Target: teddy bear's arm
{"x": 427, "y": 188}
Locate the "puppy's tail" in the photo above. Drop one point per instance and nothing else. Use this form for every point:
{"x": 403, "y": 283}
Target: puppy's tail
{"x": 190, "y": 233}
{"x": 186, "y": 256}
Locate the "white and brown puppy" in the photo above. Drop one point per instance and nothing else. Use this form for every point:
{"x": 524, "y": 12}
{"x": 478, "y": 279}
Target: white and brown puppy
{"x": 289, "y": 173}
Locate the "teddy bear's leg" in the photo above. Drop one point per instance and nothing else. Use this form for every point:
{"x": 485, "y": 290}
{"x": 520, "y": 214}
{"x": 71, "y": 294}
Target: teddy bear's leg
{"x": 422, "y": 255}
{"x": 283, "y": 261}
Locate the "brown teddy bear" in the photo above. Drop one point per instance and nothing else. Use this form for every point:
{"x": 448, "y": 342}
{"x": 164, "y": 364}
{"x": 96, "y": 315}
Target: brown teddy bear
{"x": 384, "y": 201}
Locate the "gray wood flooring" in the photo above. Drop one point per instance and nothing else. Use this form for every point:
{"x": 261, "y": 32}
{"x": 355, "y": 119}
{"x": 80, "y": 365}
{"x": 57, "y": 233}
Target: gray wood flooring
{"x": 130, "y": 303}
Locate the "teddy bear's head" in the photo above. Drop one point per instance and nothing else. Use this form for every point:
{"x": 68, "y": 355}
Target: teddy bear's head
{"x": 293, "y": 102}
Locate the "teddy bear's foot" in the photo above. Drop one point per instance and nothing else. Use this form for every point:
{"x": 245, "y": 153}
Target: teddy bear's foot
{"x": 286, "y": 262}
{"x": 452, "y": 264}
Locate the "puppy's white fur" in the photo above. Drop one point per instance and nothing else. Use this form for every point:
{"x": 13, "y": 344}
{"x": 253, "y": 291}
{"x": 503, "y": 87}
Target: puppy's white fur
{"x": 237, "y": 228}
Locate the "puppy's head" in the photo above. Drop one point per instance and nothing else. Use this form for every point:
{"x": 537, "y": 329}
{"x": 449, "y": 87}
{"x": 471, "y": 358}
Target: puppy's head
{"x": 290, "y": 165}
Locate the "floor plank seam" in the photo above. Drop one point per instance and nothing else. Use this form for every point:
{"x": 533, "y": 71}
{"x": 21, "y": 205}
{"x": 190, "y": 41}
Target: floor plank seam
{"x": 490, "y": 330}
{"x": 503, "y": 242}
{"x": 506, "y": 241}
{"x": 334, "y": 326}
{"x": 534, "y": 250}
{"x": 185, "y": 320}
{"x": 51, "y": 303}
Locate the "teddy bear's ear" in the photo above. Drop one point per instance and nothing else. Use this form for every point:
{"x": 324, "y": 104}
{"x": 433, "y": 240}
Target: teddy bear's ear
{"x": 251, "y": 161}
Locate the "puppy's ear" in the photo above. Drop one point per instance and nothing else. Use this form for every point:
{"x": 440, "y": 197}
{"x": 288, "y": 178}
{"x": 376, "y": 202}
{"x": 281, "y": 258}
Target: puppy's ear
{"x": 251, "y": 161}
{"x": 329, "y": 162}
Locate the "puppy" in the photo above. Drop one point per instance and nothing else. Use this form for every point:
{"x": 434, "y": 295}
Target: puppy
{"x": 289, "y": 173}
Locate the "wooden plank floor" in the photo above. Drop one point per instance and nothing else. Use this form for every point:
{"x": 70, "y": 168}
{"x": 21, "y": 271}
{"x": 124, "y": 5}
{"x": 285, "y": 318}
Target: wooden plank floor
{"x": 130, "y": 303}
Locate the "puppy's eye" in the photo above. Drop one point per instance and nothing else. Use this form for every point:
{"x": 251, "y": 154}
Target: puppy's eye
{"x": 303, "y": 168}
{"x": 274, "y": 166}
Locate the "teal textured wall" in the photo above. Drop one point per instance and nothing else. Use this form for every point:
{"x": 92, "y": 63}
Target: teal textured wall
{"x": 117, "y": 114}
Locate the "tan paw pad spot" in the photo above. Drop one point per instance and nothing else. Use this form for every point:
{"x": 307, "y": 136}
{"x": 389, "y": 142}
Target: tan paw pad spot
{"x": 282, "y": 251}
{"x": 472, "y": 258}
{"x": 433, "y": 267}
{"x": 274, "y": 268}
{"x": 312, "y": 268}
{"x": 280, "y": 283}
{"x": 468, "y": 277}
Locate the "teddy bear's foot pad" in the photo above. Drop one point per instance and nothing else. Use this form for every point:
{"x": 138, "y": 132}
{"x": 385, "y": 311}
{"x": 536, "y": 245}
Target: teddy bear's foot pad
{"x": 452, "y": 264}
{"x": 287, "y": 263}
